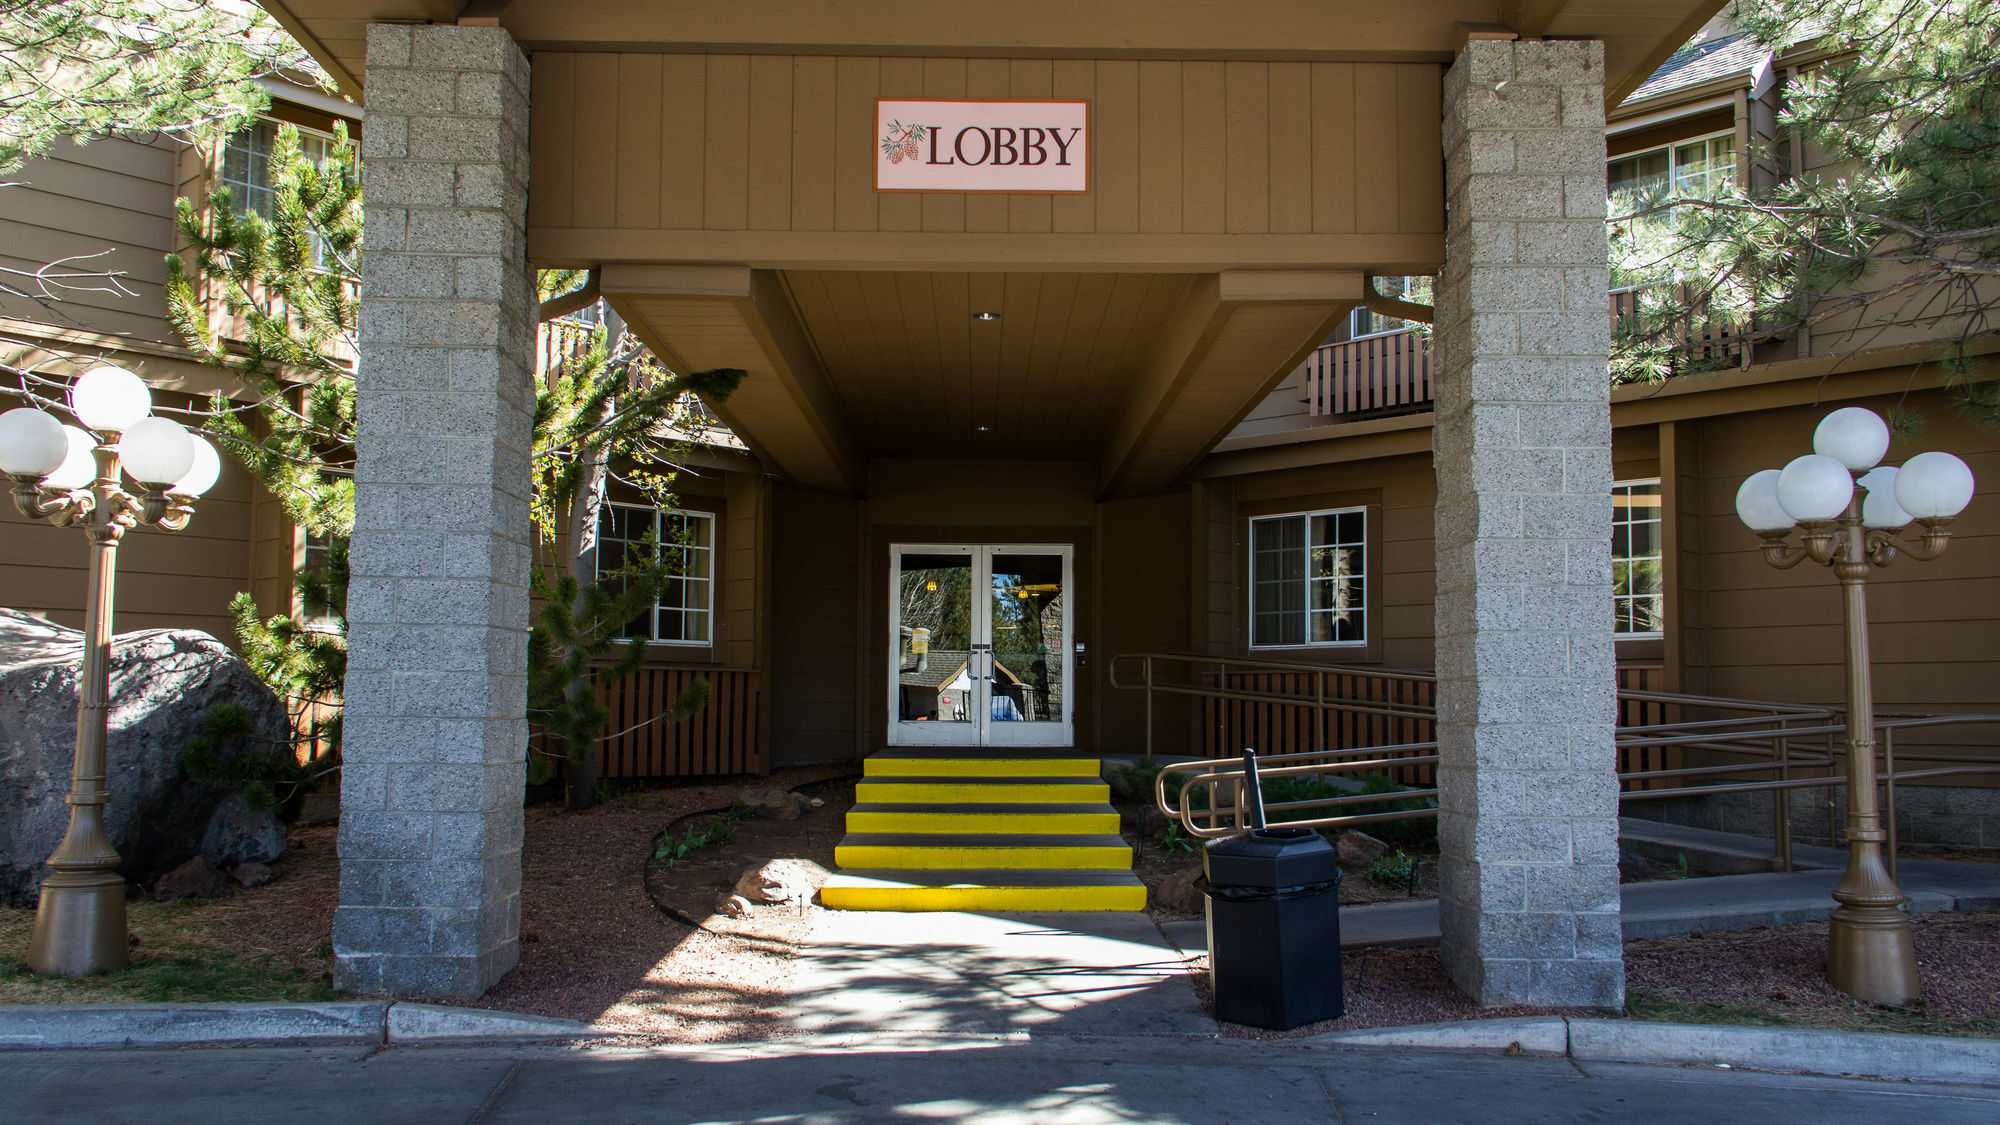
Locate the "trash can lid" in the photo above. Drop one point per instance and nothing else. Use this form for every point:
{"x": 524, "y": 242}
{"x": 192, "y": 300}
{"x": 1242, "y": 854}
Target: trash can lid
{"x": 1271, "y": 857}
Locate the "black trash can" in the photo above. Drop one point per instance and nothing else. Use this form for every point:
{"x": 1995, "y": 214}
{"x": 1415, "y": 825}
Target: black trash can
{"x": 1273, "y": 925}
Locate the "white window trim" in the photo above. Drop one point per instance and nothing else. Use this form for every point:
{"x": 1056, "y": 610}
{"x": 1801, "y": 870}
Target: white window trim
{"x": 1669, "y": 147}
{"x": 1250, "y": 578}
{"x": 707, "y": 608}
{"x": 1655, "y": 634}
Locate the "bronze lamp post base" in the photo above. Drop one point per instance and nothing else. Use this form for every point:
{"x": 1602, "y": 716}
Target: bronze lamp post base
{"x": 80, "y": 925}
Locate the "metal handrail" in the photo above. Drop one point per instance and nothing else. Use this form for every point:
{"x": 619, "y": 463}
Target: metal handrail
{"x": 1766, "y": 730}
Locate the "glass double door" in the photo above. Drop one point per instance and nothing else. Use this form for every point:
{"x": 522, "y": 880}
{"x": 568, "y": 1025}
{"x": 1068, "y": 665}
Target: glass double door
{"x": 979, "y": 645}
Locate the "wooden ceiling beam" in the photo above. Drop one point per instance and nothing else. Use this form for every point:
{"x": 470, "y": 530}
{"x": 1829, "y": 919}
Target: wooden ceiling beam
{"x": 699, "y": 318}
{"x": 1236, "y": 336}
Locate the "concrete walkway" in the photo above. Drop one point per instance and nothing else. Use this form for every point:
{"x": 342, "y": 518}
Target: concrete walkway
{"x": 876, "y": 973}
{"x": 1680, "y": 906}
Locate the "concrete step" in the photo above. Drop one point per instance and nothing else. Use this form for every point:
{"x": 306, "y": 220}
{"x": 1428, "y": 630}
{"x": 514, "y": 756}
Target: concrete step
{"x": 1038, "y": 818}
{"x": 982, "y": 889}
{"x": 981, "y": 790}
{"x": 1709, "y": 852}
{"x": 942, "y": 851}
{"x": 903, "y": 762}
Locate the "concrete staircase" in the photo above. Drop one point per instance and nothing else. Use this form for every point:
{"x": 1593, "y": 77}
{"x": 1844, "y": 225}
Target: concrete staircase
{"x": 973, "y": 829}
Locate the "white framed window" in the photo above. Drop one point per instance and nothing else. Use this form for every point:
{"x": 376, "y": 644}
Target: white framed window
{"x": 685, "y": 612}
{"x": 246, "y": 164}
{"x": 319, "y": 558}
{"x": 1700, "y": 167}
{"x": 1308, "y": 579}
{"x": 246, "y": 171}
{"x": 1638, "y": 594}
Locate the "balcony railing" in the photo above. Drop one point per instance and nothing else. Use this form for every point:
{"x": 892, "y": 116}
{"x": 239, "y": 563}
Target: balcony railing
{"x": 1390, "y": 373}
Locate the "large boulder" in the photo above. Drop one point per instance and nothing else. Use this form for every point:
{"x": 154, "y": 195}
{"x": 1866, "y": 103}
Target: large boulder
{"x": 162, "y": 683}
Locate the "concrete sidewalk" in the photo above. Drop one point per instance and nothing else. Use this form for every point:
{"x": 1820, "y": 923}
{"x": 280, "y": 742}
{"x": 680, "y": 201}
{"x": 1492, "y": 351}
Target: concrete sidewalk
{"x": 876, "y": 973}
{"x": 1679, "y": 906}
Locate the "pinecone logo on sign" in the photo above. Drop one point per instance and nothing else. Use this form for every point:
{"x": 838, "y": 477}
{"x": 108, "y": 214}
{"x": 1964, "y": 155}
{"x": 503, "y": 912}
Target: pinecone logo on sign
{"x": 900, "y": 142}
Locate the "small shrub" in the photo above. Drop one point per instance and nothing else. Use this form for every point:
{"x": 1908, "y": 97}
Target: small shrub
{"x": 1174, "y": 840}
{"x": 1415, "y": 832}
{"x": 1397, "y": 870}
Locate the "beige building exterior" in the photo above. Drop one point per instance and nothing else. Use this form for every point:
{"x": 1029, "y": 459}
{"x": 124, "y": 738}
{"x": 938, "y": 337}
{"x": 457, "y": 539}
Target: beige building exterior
{"x": 1106, "y": 402}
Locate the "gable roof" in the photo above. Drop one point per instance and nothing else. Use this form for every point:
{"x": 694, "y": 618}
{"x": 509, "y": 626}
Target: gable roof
{"x": 1703, "y": 62}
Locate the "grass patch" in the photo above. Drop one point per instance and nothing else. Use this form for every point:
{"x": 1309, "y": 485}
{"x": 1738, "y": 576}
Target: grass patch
{"x": 1853, "y": 1015}
{"x": 177, "y": 958}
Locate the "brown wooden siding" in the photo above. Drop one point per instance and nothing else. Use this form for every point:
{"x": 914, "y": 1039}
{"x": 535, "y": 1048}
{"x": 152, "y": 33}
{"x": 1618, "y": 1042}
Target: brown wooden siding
{"x": 816, "y": 627}
{"x": 112, "y": 195}
{"x": 786, "y": 143}
{"x": 1143, "y": 599}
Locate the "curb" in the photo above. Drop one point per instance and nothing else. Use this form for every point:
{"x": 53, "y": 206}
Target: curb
{"x": 1860, "y": 1054}
{"x": 369, "y": 1023}
{"x": 343, "y": 1023}
{"x": 377, "y": 1023}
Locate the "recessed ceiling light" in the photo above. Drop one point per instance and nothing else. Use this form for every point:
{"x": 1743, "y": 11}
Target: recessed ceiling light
{"x": 986, "y": 316}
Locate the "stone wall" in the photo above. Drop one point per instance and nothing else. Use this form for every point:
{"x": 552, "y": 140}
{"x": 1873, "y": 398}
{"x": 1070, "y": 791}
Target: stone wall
{"x": 1528, "y": 807}
{"x": 436, "y": 694}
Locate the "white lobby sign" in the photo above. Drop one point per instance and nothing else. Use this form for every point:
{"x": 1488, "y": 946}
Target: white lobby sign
{"x": 936, "y": 144}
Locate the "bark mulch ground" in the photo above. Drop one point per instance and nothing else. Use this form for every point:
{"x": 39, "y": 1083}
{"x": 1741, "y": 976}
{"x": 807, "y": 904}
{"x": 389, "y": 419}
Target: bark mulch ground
{"x": 614, "y": 935}
{"x": 596, "y": 946}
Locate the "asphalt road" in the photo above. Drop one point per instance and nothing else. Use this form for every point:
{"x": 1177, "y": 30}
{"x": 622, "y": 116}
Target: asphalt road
{"x": 1052, "y": 1079}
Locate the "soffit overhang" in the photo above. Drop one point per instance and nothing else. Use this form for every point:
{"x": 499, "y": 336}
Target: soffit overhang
{"x": 1638, "y": 34}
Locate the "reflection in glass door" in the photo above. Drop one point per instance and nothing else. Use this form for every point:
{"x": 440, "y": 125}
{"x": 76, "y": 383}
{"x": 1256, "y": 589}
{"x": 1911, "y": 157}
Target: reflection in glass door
{"x": 980, "y": 646}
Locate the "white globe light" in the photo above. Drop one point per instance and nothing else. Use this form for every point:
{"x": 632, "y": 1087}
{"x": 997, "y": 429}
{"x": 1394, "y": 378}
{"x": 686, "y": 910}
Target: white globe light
{"x": 1879, "y": 508}
{"x": 1757, "y": 503}
{"x": 1815, "y": 487}
{"x": 1934, "y": 486}
{"x": 156, "y": 451}
{"x": 1855, "y": 437}
{"x": 79, "y": 465}
{"x": 109, "y": 399}
{"x": 201, "y": 476}
{"x": 31, "y": 443}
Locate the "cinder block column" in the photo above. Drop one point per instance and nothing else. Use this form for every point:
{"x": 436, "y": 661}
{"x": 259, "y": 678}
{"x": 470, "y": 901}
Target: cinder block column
{"x": 436, "y": 730}
{"x": 1528, "y": 809}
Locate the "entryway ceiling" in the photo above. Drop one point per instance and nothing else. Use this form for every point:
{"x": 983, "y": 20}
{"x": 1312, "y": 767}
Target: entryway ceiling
{"x": 1137, "y": 373}
{"x": 921, "y": 377}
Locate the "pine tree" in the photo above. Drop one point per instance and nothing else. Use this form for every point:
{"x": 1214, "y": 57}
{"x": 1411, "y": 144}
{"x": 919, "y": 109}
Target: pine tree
{"x": 285, "y": 290}
{"x": 1900, "y": 228}
{"x": 74, "y": 69}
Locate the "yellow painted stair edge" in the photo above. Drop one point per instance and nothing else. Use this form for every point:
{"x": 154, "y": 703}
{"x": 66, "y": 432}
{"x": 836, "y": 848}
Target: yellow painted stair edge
{"x": 1019, "y": 823}
{"x": 972, "y": 792}
{"x": 836, "y": 896}
{"x": 935, "y": 858}
{"x": 981, "y": 767}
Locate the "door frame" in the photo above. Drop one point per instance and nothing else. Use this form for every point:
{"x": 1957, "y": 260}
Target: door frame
{"x": 982, "y": 731}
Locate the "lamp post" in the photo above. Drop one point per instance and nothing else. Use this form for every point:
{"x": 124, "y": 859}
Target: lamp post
{"x": 1853, "y": 526}
{"x": 70, "y": 477}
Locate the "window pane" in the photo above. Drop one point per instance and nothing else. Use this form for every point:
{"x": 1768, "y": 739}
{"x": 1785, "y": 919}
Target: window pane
{"x": 1641, "y": 172}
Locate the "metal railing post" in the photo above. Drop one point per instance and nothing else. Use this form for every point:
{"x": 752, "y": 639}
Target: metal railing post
{"x": 1149, "y": 710}
{"x": 1781, "y": 803}
{"x": 1889, "y": 796}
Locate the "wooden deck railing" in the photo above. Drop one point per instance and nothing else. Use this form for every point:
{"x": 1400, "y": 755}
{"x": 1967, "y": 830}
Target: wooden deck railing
{"x": 1700, "y": 338}
{"x": 1287, "y": 709}
{"x": 1390, "y": 373}
{"x": 721, "y": 738}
